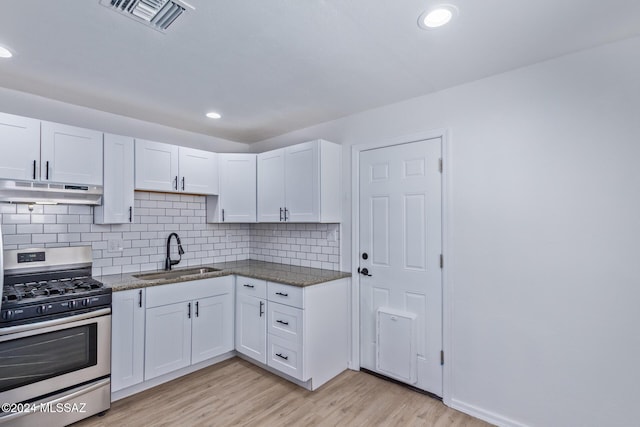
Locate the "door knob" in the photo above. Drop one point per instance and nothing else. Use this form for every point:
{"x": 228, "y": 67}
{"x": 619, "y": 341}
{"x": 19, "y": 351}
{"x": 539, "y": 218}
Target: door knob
{"x": 364, "y": 271}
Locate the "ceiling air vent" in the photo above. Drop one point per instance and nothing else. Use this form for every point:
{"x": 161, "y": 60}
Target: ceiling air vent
{"x": 158, "y": 14}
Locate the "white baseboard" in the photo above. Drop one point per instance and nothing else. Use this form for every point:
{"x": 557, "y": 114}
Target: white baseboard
{"x": 488, "y": 416}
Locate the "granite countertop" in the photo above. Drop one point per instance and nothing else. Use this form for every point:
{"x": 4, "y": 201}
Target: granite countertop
{"x": 272, "y": 272}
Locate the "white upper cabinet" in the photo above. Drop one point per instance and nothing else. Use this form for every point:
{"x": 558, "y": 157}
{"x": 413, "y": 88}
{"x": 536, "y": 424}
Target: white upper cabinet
{"x": 19, "y": 147}
{"x": 300, "y": 183}
{"x": 169, "y": 168}
{"x": 198, "y": 171}
{"x": 117, "y": 201}
{"x": 237, "y": 199}
{"x": 70, "y": 154}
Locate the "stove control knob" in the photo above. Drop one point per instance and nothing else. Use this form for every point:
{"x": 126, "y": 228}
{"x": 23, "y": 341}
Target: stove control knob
{"x": 42, "y": 309}
{"x": 7, "y": 315}
{"x": 86, "y": 302}
{"x": 72, "y": 304}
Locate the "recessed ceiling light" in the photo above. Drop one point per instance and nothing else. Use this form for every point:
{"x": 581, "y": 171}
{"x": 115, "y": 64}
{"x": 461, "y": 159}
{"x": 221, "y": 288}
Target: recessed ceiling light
{"x": 213, "y": 115}
{"x": 5, "y": 53}
{"x": 437, "y": 16}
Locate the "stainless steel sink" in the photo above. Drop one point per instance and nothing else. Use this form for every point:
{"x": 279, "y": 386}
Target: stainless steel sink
{"x": 175, "y": 274}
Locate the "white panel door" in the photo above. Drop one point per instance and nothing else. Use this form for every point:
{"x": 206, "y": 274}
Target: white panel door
{"x": 19, "y": 147}
{"x": 212, "y": 327}
{"x": 198, "y": 171}
{"x": 156, "y": 166}
{"x": 127, "y": 345}
{"x": 401, "y": 233}
{"x": 271, "y": 201}
{"x": 302, "y": 183}
{"x": 167, "y": 339}
{"x": 117, "y": 201}
{"x": 237, "y": 187}
{"x": 251, "y": 327}
{"x": 70, "y": 154}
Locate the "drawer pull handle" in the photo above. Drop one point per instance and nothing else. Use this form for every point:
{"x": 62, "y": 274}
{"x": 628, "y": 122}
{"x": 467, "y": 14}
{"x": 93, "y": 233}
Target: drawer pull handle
{"x": 282, "y": 357}
{"x": 283, "y": 322}
{"x": 248, "y": 286}
{"x": 282, "y": 294}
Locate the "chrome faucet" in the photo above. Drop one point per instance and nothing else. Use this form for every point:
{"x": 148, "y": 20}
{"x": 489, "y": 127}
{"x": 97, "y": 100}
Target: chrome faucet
{"x": 169, "y": 262}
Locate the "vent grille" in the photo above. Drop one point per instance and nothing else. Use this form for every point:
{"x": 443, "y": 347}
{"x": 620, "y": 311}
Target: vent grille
{"x": 158, "y": 14}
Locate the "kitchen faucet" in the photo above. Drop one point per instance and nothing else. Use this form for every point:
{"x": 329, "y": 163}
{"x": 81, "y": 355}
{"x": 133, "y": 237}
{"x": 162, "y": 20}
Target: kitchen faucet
{"x": 169, "y": 262}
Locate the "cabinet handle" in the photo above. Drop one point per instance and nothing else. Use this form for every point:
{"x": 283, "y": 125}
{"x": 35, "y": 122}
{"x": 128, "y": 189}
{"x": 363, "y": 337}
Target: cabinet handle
{"x": 197, "y": 309}
{"x": 183, "y": 183}
{"x": 130, "y": 213}
{"x": 140, "y": 298}
{"x": 282, "y": 357}
{"x": 34, "y": 169}
{"x": 222, "y": 215}
{"x": 280, "y": 214}
{"x": 47, "y": 171}
{"x": 189, "y": 311}
{"x": 282, "y": 294}
{"x": 261, "y": 308}
{"x": 286, "y": 214}
{"x": 283, "y": 322}
{"x": 175, "y": 183}
{"x": 248, "y": 286}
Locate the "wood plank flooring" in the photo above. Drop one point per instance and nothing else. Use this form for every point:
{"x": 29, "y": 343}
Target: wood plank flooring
{"x": 237, "y": 393}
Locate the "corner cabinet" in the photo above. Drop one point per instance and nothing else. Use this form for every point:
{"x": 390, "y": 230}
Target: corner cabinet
{"x": 169, "y": 168}
{"x": 117, "y": 201}
{"x": 301, "y": 183}
{"x": 187, "y": 323}
{"x": 237, "y": 199}
{"x": 127, "y": 342}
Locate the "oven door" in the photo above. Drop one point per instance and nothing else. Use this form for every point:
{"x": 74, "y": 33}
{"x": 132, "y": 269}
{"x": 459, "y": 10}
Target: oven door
{"x": 41, "y": 358}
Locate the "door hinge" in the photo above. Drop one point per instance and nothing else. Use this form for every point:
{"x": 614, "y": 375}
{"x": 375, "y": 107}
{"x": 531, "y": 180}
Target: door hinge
{"x": 440, "y": 165}
{"x": 441, "y": 261}
{"x": 441, "y": 357}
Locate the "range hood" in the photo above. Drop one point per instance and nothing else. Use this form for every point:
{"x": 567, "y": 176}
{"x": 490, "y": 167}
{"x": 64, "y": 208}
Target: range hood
{"x": 49, "y": 193}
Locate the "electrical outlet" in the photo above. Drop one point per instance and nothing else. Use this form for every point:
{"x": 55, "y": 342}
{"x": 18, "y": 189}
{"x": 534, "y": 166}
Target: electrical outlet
{"x": 332, "y": 234}
{"x": 116, "y": 245}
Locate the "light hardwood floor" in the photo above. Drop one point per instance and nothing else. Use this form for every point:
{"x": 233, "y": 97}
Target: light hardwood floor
{"x": 236, "y": 392}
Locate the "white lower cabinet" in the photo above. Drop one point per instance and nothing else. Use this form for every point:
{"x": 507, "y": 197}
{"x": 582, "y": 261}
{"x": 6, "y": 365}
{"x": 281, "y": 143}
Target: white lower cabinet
{"x": 187, "y": 323}
{"x": 127, "y": 343}
{"x": 251, "y": 318}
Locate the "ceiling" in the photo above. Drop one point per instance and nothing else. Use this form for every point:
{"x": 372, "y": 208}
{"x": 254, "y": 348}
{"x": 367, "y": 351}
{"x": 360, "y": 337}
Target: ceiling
{"x": 273, "y": 66}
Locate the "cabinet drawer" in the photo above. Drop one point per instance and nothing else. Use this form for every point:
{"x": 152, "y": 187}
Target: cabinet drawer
{"x": 188, "y": 291}
{"x": 285, "y": 322}
{"x": 253, "y": 287}
{"x": 285, "y": 294}
{"x": 285, "y": 356}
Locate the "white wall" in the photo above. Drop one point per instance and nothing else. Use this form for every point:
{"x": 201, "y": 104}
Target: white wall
{"x": 29, "y": 105}
{"x": 545, "y": 212}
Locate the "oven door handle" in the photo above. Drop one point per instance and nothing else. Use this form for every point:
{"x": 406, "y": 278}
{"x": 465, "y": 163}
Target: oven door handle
{"x": 54, "y": 322}
{"x": 61, "y": 399}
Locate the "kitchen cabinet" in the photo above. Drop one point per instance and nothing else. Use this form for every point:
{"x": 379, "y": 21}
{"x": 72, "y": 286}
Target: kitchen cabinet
{"x": 19, "y": 147}
{"x": 237, "y": 199}
{"x": 169, "y": 168}
{"x": 34, "y": 150}
{"x": 300, "y": 183}
{"x": 70, "y": 154}
{"x": 251, "y": 318}
{"x": 117, "y": 201}
{"x": 187, "y": 323}
{"x": 127, "y": 343}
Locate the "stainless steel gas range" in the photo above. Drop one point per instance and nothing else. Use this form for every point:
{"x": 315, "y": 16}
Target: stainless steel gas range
{"x": 55, "y": 338}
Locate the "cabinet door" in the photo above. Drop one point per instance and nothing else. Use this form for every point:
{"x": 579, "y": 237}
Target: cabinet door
{"x": 156, "y": 166}
{"x": 127, "y": 345}
{"x": 198, "y": 171}
{"x": 19, "y": 147}
{"x": 302, "y": 182}
{"x": 251, "y": 327}
{"x": 212, "y": 333}
{"x": 167, "y": 339}
{"x": 117, "y": 201}
{"x": 71, "y": 154}
{"x": 271, "y": 185}
{"x": 237, "y": 187}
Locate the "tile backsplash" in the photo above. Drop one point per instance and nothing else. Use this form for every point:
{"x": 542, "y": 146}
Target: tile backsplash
{"x": 141, "y": 246}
